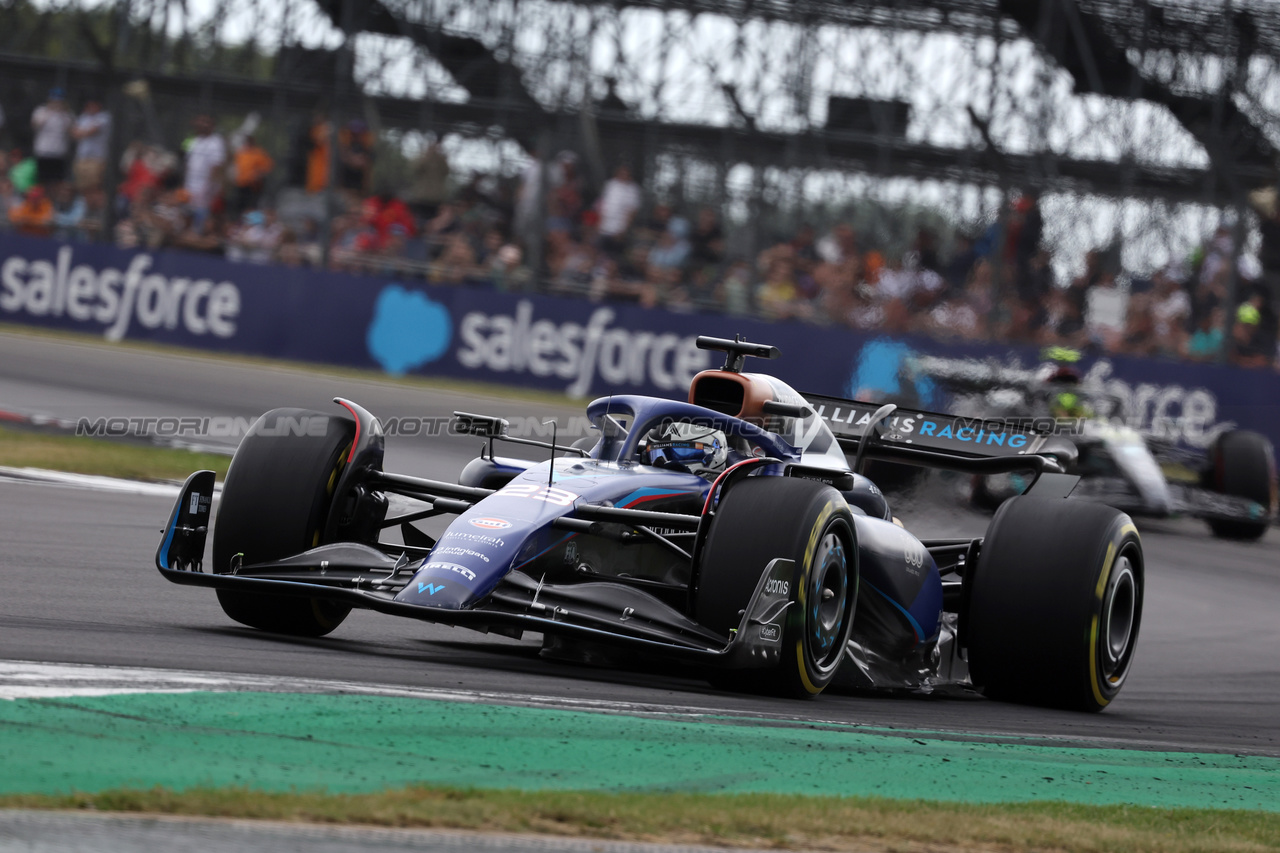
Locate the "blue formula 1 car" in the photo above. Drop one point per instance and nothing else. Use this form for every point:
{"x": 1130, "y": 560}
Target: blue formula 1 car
{"x": 732, "y": 533}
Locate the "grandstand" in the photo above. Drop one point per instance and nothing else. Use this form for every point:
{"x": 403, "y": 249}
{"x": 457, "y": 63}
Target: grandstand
{"x": 1139, "y": 126}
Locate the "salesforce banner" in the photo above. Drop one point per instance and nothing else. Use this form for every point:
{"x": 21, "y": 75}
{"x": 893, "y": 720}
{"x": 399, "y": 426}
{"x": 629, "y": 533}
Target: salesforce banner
{"x": 567, "y": 345}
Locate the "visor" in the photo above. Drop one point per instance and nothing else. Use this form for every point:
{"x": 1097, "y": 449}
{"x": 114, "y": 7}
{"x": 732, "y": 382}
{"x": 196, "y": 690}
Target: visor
{"x": 682, "y": 452}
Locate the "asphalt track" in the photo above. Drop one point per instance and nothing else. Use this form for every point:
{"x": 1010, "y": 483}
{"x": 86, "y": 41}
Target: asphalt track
{"x": 78, "y": 584}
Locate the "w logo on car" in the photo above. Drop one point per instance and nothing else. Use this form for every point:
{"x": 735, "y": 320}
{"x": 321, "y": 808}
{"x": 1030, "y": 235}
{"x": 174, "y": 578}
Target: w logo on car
{"x": 430, "y": 587}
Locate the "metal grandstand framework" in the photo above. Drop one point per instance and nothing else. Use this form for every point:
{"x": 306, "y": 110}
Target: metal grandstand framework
{"x": 1142, "y": 124}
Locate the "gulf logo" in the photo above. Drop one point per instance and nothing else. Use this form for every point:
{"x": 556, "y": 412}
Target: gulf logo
{"x": 490, "y": 523}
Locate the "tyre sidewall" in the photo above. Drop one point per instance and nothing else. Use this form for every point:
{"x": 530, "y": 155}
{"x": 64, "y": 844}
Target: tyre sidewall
{"x": 1035, "y": 602}
{"x": 814, "y": 673}
{"x": 760, "y": 519}
{"x": 275, "y": 501}
{"x": 1242, "y": 464}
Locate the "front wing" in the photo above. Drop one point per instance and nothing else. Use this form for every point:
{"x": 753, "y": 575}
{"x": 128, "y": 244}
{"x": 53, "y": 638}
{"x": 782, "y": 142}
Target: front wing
{"x": 1189, "y": 500}
{"x": 602, "y": 612}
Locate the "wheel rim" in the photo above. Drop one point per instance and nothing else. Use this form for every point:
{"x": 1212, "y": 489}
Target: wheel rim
{"x": 1120, "y": 610}
{"x": 829, "y": 594}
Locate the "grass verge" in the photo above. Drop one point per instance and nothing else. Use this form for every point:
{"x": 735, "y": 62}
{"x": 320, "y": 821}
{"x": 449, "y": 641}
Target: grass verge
{"x": 758, "y": 820}
{"x": 82, "y": 455}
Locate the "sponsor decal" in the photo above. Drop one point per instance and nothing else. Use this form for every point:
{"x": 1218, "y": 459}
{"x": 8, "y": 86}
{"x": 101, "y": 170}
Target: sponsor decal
{"x": 580, "y": 353}
{"x": 987, "y": 432}
{"x": 1187, "y": 415}
{"x": 195, "y": 503}
{"x": 884, "y": 369}
{"x": 429, "y": 587}
{"x": 117, "y": 298}
{"x": 773, "y": 586}
{"x": 913, "y": 554}
{"x": 450, "y": 567}
{"x": 408, "y": 330}
{"x": 973, "y": 435}
{"x": 474, "y": 538}
{"x": 490, "y": 523}
{"x": 772, "y": 633}
{"x": 898, "y": 426}
{"x": 459, "y": 552}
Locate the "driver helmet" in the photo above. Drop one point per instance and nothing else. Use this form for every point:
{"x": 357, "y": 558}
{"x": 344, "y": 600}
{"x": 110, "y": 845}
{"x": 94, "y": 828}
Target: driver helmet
{"x": 698, "y": 449}
{"x": 1068, "y": 405}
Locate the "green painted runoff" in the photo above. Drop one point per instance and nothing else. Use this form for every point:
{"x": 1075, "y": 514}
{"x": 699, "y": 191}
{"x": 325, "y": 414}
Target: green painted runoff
{"x": 348, "y": 743}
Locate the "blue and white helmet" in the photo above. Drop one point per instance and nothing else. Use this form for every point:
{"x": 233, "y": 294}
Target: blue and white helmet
{"x": 698, "y": 449}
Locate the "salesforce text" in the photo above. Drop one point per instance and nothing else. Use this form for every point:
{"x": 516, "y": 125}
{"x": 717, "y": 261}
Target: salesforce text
{"x": 508, "y": 344}
{"x": 114, "y": 298}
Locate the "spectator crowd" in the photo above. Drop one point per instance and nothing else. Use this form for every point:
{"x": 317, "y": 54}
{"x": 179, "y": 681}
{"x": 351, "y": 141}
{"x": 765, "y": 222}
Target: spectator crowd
{"x": 223, "y": 193}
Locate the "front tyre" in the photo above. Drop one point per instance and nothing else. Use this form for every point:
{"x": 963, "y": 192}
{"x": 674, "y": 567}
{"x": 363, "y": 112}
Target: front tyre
{"x": 764, "y": 518}
{"x": 1055, "y": 603}
{"x": 1242, "y": 464}
{"x": 274, "y": 504}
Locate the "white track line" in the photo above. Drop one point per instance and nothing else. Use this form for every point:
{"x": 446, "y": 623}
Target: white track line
{"x": 87, "y": 481}
{"x": 33, "y": 679}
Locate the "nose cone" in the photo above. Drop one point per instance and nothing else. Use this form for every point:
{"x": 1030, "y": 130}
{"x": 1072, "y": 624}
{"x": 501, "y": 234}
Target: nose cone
{"x": 1141, "y": 469}
{"x": 1160, "y": 499}
{"x": 475, "y": 553}
{"x": 440, "y": 584}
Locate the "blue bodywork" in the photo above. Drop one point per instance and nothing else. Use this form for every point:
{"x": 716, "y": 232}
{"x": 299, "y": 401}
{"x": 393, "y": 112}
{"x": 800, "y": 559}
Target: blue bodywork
{"x": 511, "y": 529}
{"x": 602, "y": 547}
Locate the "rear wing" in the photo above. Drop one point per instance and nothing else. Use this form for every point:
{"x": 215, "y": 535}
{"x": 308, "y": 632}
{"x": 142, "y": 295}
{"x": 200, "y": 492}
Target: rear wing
{"x": 936, "y": 440}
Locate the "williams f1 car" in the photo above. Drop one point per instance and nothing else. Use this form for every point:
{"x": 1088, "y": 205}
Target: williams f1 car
{"x": 732, "y": 533}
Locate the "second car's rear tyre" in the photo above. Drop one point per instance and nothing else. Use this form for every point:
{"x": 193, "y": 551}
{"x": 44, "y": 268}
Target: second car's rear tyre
{"x": 274, "y": 504}
{"x": 763, "y": 518}
{"x": 1241, "y": 464}
{"x": 1054, "y": 603}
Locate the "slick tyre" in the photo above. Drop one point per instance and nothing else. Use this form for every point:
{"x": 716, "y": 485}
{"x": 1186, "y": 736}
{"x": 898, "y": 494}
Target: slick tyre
{"x": 1054, "y": 604}
{"x": 763, "y": 518}
{"x": 1241, "y": 464}
{"x": 274, "y": 503}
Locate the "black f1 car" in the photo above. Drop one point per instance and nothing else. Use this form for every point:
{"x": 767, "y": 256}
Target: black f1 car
{"x": 730, "y": 532}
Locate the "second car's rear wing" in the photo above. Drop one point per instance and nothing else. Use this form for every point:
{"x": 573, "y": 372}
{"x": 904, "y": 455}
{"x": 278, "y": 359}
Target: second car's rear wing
{"x": 941, "y": 441}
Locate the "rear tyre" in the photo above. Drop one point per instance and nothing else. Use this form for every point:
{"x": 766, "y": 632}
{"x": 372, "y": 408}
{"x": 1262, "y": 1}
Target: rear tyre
{"x": 1054, "y": 604}
{"x": 1241, "y": 464}
{"x": 763, "y": 518}
{"x": 274, "y": 503}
